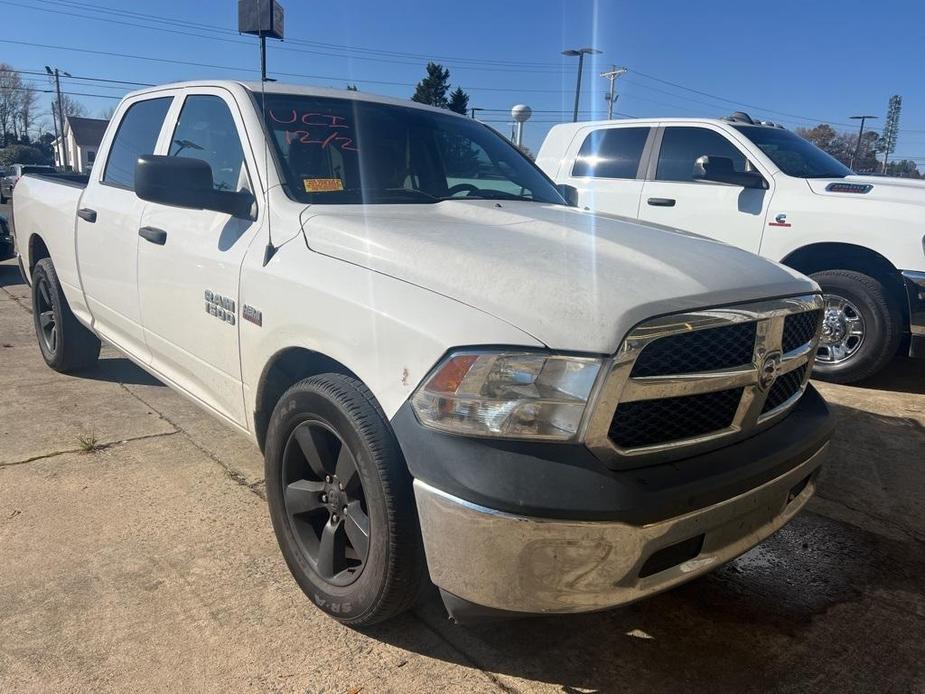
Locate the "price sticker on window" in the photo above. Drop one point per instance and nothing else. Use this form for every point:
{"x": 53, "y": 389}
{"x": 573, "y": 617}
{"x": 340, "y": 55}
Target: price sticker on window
{"x": 322, "y": 185}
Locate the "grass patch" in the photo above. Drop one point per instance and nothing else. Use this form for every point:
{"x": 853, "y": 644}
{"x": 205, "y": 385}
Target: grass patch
{"x": 88, "y": 441}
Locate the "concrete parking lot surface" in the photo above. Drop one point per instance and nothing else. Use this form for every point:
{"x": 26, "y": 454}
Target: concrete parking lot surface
{"x": 149, "y": 564}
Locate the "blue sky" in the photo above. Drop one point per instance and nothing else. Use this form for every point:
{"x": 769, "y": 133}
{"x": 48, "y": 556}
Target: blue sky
{"x": 793, "y": 62}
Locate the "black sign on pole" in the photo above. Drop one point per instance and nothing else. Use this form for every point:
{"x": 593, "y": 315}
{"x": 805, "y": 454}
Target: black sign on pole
{"x": 261, "y": 18}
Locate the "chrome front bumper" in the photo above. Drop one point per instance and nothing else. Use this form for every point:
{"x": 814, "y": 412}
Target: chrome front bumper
{"x": 534, "y": 565}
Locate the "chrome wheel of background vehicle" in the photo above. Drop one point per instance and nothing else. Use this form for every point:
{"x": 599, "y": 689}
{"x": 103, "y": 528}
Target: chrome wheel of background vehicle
{"x": 48, "y": 328}
{"x": 324, "y": 501}
{"x": 842, "y": 331}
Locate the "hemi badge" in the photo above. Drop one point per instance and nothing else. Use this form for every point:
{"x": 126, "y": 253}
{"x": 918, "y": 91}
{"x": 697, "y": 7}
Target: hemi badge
{"x": 249, "y": 313}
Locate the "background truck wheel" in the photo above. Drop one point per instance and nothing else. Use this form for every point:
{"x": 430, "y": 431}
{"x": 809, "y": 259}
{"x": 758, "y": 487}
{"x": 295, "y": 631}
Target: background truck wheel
{"x": 861, "y": 329}
{"x": 65, "y": 343}
{"x": 341, "y": 501}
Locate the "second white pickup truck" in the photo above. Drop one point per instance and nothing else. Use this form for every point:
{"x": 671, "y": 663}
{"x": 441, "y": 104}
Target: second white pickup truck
{"x": 452, "y": 374}
{"x": 769, "y": 191}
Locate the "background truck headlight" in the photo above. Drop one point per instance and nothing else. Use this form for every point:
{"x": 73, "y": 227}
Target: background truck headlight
{"x": 523, "y": 395}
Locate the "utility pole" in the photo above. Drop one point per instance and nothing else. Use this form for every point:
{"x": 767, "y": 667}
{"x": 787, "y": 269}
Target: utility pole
{"x": 62, "y": 137}
{"x": 857, "y": 147}
{"x": 473, "y": 111}
{"x": 581, "y": 53}
{"x": 612, "y": 75}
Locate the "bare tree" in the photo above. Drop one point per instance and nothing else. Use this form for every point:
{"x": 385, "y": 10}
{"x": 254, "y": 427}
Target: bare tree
{"x": 28, "y": 106}
{"x": 10, "y": 97}
{"x": 70, "y": 106}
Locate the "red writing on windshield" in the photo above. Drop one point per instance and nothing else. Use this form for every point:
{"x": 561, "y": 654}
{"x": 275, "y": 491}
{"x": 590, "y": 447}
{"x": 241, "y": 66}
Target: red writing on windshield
{"x": 327, "y": 129}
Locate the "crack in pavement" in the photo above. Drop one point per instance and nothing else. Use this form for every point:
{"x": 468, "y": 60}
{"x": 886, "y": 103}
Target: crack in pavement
{"x": 900, "y": 527}
{"x": 233, "y": 474}
{"x": 99, "y": 447}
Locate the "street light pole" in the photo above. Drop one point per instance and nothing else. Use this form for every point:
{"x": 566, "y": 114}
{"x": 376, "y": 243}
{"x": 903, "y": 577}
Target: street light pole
{"x": 581, "y": 53}
{"x": 473, "y": 111}
{"x": 62, "y": 137}
{"x": 612, "y": 75}
{"x": 857, "y": 147}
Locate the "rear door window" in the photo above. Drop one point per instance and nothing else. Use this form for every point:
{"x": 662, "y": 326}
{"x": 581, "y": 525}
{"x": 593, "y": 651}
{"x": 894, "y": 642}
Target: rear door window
{"x": 611, "y": 153}
{"x": 682, "y": 146}
{"x": 137, "y": 135}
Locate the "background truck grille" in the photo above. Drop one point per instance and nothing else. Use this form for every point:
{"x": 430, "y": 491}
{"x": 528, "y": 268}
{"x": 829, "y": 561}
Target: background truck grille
{"x": 799, "y": 329}
{"x": 784, "y": 388}
{"x": 648, "y": 422}
{"x": 684, "y": 383}
{"x": 704, "y": 350}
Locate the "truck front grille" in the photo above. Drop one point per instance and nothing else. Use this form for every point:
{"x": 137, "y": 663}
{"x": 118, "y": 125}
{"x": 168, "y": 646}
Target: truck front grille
{"x": 703, "y": 350}
{"x": 692, "y": 381}
{"x": 784, "y": 388}
{"x": 799, "y": 329}
{"x": 648, "y": 422}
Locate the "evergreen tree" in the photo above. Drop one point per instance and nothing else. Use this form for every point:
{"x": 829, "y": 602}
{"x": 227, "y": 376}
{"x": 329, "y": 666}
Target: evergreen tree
{"x": 433, "y": 88}
{"x": 459, "y": 101}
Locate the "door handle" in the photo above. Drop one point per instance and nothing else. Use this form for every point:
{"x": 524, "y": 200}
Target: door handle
{"x": 154, "y": 235}
{"x": 86, "y": 214}
{"x": 661, "y": 202}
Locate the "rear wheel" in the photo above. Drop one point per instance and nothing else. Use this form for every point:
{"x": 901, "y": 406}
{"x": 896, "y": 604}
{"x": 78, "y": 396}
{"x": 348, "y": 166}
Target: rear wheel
{"x": 861, "y": 329}
{"x": 341, "y": 501}
{"x": 65, "y": 343}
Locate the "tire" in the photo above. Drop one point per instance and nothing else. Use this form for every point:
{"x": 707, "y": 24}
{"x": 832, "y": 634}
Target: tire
{"x": 310, "y": 428}
{"x": 66, "y": 345}
{"x": 864, "y": 297}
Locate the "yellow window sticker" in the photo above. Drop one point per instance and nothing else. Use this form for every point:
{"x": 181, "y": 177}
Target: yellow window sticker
{"x": 322, "y": 185}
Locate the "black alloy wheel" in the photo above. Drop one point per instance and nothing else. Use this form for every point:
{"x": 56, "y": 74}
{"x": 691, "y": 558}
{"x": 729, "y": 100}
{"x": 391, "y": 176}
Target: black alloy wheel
{"x": 45, "y": 313}
{"x": 325, "y": 504}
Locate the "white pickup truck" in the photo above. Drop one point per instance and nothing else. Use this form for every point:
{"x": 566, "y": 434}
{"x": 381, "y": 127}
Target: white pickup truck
{"x": 769, "y": 191}
{"x": 452, "y": 374}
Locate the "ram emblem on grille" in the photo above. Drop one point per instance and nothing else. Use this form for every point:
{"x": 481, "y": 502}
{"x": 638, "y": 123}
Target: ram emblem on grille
{"x": 770, "y": 369}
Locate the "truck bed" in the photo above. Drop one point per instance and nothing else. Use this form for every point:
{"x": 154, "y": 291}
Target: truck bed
{"x": 46, "y": 205}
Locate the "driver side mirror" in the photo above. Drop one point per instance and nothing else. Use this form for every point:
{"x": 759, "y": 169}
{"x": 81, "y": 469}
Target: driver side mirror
{"x": 185, "y": 182}
{"x": 570, "y": 193}
{"x": 722, "y": 170}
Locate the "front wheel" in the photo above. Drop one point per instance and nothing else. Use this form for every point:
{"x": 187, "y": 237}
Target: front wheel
{"x": 341, "y": 501}
{"x": 861, "y": 329}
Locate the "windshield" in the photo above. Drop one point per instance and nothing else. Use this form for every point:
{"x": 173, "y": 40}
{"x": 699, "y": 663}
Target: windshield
{"x": 792, "y": 154}
{"x": 340, "y": 151}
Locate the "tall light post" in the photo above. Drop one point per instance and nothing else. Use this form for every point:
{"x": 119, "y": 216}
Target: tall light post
{"x": 581, "y": 53}
{"x": 612, "y": 75}
{"x": 56, "y": 73}
{"x": 857, "y": 147}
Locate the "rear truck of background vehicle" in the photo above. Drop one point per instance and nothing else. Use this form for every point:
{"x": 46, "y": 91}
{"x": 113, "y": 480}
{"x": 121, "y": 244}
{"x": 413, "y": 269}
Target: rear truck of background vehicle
{"x": 757, "y": 186}
{"x": 452, "y": 374}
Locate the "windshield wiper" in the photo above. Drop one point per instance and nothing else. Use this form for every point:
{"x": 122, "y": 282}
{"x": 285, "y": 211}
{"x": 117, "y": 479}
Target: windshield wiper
{"x": 402, "y": 194}
{"x": 493, "y": 195}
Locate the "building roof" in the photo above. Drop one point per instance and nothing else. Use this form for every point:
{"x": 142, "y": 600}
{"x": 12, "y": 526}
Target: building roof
{"x": 88, "y": 132}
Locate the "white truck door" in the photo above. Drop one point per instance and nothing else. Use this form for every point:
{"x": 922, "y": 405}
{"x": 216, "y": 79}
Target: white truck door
{"x": 107, "y": 227}
{"x": 607, "y": 169}
{"x": 672, "y": 197}
{"x": 189, "y": 261}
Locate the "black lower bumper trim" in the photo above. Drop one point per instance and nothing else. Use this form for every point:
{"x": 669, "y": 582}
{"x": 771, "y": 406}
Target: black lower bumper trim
{"x": 567, "y": 481}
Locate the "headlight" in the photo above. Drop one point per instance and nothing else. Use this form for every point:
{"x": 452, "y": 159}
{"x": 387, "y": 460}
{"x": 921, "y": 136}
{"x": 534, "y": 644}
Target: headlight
{"x": 522, "y": 395}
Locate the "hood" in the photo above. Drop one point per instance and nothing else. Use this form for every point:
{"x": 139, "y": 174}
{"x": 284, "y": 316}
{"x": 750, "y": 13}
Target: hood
{"x": 885, "y": 188}
{"x": 572, "y": 280}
